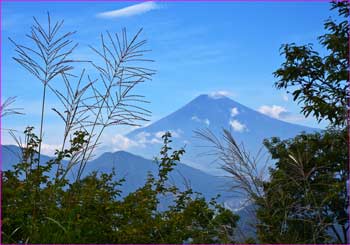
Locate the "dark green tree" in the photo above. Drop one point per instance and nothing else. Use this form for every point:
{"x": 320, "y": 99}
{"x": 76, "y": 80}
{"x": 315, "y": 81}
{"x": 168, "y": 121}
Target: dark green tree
{"x": 306, "y": 199}
{"x": 320, "y": 83}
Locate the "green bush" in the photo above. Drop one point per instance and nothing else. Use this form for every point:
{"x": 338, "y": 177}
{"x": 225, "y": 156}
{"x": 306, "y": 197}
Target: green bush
{"x": 41, "y": 208}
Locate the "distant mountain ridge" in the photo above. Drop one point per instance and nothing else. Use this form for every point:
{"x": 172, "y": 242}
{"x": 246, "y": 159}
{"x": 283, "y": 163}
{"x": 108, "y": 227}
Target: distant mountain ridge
{"x": 135, "y": 170}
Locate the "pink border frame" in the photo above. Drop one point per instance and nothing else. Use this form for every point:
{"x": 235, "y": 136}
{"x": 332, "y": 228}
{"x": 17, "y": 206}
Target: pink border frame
{"x": 1, "y": 1}
{"x": 166, "y": 1}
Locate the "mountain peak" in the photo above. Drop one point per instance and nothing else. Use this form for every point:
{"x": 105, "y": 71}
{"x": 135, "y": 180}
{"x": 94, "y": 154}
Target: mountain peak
{"x": 214, "y": 95}
{"x": 216, "y": 103}
{"x": 119, "y": 153}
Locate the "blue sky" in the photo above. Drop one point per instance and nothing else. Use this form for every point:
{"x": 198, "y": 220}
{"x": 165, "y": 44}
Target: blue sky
{"x": 208, "y": 47}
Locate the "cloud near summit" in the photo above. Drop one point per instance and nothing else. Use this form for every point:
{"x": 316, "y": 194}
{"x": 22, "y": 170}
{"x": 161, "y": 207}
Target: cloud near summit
{"x": 132, "y": 10}
{"x": 274, "y": 111}
{"x": 220, "y": 94}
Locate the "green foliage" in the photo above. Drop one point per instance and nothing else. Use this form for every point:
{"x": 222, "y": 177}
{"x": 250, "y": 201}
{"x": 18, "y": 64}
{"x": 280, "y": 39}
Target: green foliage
{"x": 38, "y": 208}
{"x": 306, "y": 200}
{"x": 319, "y": 83}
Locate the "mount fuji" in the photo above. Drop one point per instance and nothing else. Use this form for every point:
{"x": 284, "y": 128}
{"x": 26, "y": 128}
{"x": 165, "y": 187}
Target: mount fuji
{"x": 248, "y": 127}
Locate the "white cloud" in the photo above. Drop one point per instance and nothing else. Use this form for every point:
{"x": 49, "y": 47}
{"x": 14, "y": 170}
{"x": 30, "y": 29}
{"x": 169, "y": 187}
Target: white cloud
{"x": 281, "y": 113}
{"x": 141, "y": 137}
{"x": 237, "y": 126}
{"x": 121, "y": 142}
{"x": 174, "y": 133}
{"x": 285, "y": 97}
{"x": 144, "y": 138}
{"x": 234, "y": 112}
{"x": 130, "y": 11}
{"x": 274, "y": 111}
{"x": 159, "y": 134}
{"x": 197, "y": 119}
{"x": 220, "y": 94}
{"x": 155, "y": 141}
{"x": 49, "y": 149}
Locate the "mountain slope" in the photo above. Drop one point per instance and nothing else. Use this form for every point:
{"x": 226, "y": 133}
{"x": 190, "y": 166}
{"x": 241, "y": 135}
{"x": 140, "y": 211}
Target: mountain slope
{"x": 11, "y": 154}
{"x": 248, "y": 127}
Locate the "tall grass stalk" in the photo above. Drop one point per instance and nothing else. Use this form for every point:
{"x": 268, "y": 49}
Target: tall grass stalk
{"x": 114, "y": 103}
{"x": 46, "y": 58}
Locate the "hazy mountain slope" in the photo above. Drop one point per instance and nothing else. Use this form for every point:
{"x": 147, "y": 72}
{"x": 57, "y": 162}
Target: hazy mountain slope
{"x": 11, "y": 154}
{"x": 135, "y": 170}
